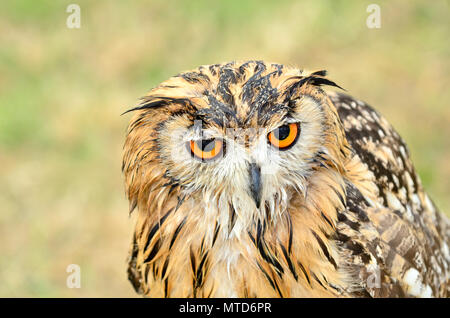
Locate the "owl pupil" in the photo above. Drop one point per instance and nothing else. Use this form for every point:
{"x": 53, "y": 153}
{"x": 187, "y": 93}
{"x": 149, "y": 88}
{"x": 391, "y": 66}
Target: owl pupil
{"x": 282, "y": 132}
{"x": 206, "y": 145}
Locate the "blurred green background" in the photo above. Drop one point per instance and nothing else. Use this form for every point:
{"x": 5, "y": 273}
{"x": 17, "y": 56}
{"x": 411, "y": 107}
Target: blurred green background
{"x": 62, "y": 92}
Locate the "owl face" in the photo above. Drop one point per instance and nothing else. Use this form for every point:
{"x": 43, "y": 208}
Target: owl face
{"x": 242, "y": 135}
{"x": 256, "y": 163}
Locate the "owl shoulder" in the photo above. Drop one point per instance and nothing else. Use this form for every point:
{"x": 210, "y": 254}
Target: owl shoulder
{"x": 402, "y": 235}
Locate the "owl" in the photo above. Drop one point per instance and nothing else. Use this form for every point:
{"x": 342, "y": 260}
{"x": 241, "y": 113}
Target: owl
{"x": 249, "y": 179}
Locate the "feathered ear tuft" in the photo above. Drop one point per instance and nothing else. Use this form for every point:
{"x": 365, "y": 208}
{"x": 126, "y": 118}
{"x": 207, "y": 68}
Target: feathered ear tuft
{"x": 157, "y": 102}
{"x": 320, "y": 73}
{"x": 147, "y": 104}
{"x": 318, "y": 81}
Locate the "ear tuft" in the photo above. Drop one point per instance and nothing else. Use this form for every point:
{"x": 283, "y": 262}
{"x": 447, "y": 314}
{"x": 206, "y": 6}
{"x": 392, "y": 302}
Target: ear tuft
{"x": 318, "y": 81}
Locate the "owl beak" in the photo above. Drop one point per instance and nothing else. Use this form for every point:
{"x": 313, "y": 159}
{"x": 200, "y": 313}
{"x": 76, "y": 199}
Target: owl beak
{"x": 255, "y": 183}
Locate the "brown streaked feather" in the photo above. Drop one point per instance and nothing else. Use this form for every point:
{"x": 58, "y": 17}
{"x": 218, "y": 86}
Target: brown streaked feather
{"x": 401, "y": 222}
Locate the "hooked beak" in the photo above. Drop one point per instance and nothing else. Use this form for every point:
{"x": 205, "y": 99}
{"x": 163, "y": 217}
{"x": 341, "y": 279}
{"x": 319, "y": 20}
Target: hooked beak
{"x": 255, "y": 183}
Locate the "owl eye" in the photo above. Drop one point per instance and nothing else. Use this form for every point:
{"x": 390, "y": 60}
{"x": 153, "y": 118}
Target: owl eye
{"x": 206, "y": 149}
{"x": 284, "y": 137}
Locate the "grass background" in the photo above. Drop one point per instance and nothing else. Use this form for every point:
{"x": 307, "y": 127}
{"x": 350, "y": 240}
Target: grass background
{"x": 62, "y": 92}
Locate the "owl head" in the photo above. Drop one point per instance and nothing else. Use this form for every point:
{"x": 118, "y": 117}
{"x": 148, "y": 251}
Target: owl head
{"x": 239, "y": 138}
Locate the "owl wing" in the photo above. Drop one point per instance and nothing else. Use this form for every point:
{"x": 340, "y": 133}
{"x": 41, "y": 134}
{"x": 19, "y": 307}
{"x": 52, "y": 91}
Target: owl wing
{"x": 397, "y": 239}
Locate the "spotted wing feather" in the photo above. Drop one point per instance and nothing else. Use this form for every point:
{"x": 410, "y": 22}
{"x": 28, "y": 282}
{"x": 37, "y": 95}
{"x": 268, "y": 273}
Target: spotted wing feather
{"x": 399, "y": 241}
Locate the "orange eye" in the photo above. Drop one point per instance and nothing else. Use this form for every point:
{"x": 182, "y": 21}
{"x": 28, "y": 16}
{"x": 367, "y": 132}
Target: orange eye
{"x": 206, "y": 149}
{"x": 284, "y": 137}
